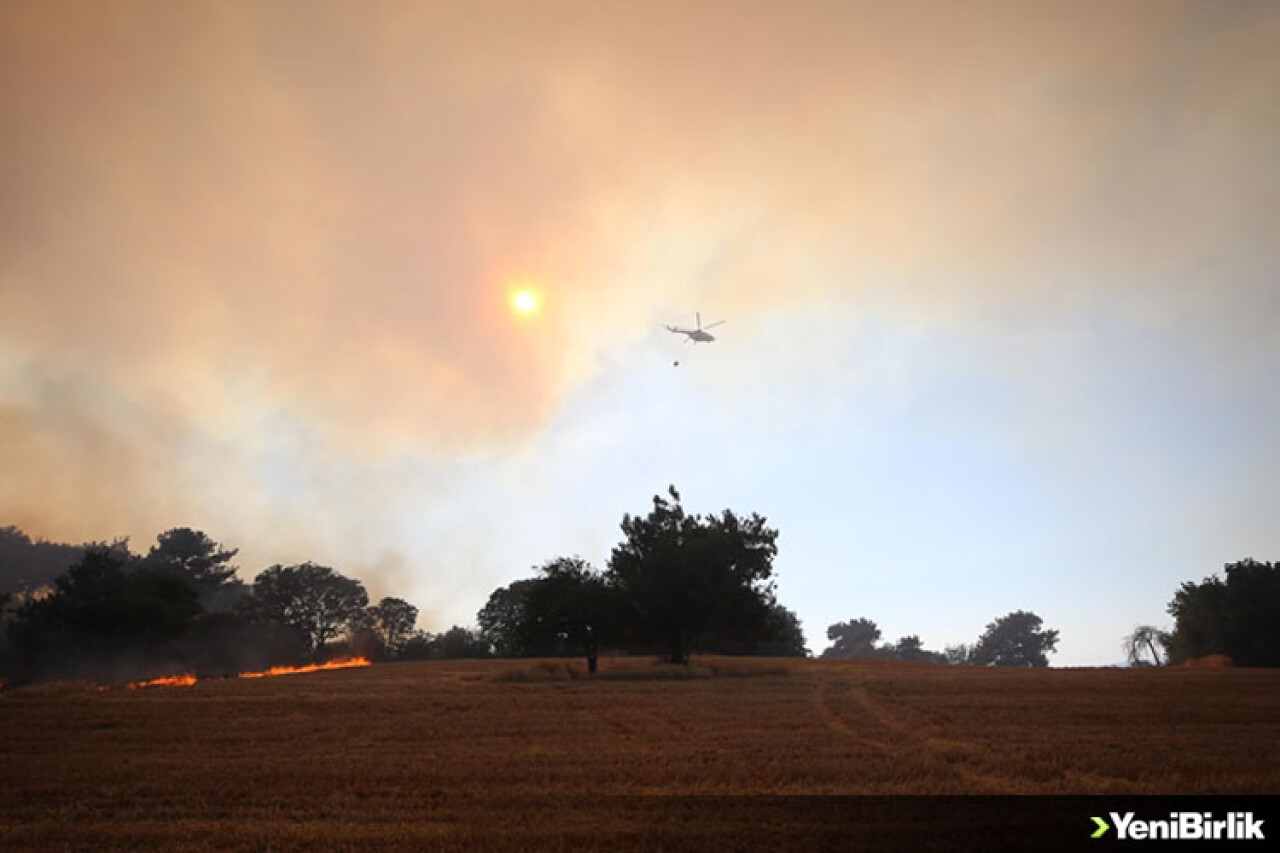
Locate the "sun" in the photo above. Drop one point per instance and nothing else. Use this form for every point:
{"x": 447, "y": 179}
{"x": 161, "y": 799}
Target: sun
{"x": 524, "y": 301}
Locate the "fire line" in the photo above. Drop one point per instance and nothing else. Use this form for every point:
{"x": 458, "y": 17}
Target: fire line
{"x": 189, "y": 679}
{"x": 339, "y": 663}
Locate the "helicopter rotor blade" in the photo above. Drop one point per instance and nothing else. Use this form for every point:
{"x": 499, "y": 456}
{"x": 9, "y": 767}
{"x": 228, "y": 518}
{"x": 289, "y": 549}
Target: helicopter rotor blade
{"x": 713, "y": 325}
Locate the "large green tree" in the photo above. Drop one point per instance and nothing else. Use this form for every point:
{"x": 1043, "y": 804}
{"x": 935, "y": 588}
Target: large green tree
{"x": 315, "y": 600}
{"x": 1015, "y": 640}
{"x": 1238, "y": 616}
{"x": 681, "y": 576}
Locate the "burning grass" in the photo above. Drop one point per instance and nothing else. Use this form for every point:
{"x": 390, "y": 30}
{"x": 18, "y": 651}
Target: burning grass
{"x": 338, "y": 663}
{"x": 452, "y": 755}
{"x": 186, "y": 680}
{"x": 189, "y": 679}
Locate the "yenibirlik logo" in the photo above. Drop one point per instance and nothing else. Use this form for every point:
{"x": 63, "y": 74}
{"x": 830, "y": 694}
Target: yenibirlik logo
{"x": 1183, "y": 826}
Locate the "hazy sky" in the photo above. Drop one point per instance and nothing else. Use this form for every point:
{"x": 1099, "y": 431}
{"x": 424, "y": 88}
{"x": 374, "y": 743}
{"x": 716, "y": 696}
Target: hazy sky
{"x": 1002, "y": 283}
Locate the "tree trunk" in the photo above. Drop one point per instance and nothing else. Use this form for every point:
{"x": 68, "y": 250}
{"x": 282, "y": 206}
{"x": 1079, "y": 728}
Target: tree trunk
{"x": 591, "y": 648}
{"x": 678, "y": 655}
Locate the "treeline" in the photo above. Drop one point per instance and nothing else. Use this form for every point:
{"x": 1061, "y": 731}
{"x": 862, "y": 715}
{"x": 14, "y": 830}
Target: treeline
{"x": 1016, "y": 639}
{"x": 1236, "y": 616}
{"x": 113, "y": 615}
{"x": 676, "y": 584}
{"x": 27, "y": 564}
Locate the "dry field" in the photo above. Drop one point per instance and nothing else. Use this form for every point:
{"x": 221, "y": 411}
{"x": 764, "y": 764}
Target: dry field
{"x": 500, "y": 754}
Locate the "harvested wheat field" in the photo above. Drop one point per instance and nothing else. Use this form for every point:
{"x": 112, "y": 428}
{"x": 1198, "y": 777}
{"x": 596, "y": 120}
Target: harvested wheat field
{"x": 534, "y": 755}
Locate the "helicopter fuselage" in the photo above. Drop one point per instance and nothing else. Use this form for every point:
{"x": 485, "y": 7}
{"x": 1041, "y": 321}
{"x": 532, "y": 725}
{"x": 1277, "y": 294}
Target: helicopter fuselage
{"x": 700, "y": 335}
{"x": 696, "y": 335}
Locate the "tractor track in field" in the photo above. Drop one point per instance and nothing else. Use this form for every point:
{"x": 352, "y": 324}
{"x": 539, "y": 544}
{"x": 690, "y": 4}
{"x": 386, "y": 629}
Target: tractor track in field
{"x": 891, "y": 734}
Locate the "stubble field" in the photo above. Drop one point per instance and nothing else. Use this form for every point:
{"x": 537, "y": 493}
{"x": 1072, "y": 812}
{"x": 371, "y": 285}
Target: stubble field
{"x": 499, "y": 754}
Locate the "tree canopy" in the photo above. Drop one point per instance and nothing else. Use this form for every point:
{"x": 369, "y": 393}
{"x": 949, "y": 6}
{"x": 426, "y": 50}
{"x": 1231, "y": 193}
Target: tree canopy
{"x": 676, "y": 582}
{"x": 855, "y": 638}
{"x": 1015, "y": 640}
{"x": 859, "y": 638}
{"x": 682, "y": 577}
{"x": 27, "y": 565}
{"x": 1238, "y": 616}
{"x": 106, "y": 607}
{"x": 111, "y": 615}
{"x": 459, "y": 642}
{"x": 203, "y": 562}
{"x": 1142, "y": 647}
{"x": 507, "y": 623}
{"x": 392, "y": 621}
{"x": 783, "y": 636}
{"x": 569, "y": 606}
{"x": 314, "y": 599}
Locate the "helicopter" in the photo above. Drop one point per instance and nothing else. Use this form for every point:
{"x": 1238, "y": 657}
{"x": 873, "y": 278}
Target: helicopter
{"x": 698, "y": 335}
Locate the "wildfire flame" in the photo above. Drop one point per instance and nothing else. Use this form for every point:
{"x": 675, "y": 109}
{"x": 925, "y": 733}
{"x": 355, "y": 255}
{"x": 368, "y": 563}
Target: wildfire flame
{"x": 189, "y": 679}
{"x": 186, "y": 680}
{"x": 338, "y": 663}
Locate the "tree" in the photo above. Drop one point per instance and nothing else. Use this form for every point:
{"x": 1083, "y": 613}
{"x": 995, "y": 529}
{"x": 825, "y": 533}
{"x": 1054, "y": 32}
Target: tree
{"x": 1015, "y": 640}
{"x": 5, "y": 664}
{"x": 570, "y": 605}
{"x": 910, "y": 648}
{"x": 203, "y": 562}
{"x": 682, "y": 576}
{"x": 784, "y": 637}
{"x": 856, "y": 638}
{"x": 1141, "y": 648}
{"x": 26, "y": 565}
{"x": 508, "y": 625}
{"x": 392, "y": 621}
{"x": 107, "y": 611}
{"x": 419, "y": 646}
{"x": 316, "y": 600}
{"x": 460, "y": 642}
{"x": 573, "y": 603}
{"x": 1238, "y": 616}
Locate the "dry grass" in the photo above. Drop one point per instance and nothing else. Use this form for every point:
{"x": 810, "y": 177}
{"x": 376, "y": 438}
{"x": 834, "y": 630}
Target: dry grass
{"x": 536, "y": 755}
